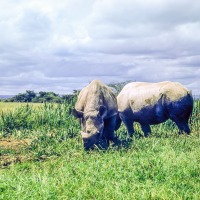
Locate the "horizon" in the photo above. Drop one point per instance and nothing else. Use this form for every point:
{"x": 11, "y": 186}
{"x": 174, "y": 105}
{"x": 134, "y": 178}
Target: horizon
{"x": 71, "y": 92}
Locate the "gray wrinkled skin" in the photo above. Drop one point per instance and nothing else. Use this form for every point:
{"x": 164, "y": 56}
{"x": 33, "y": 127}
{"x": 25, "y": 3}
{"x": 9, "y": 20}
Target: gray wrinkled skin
{"x": 96, "y": 108}
{"x": 154, "y": 103}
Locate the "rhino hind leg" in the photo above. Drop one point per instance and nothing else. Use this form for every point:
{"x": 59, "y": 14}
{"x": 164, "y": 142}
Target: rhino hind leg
{"x": 182, "y": 125}
{"x": 184, "y": 128}
{"x": 146, "y": 129}
{"x": 181, "y": 120}
{"x": 180, "y": 113}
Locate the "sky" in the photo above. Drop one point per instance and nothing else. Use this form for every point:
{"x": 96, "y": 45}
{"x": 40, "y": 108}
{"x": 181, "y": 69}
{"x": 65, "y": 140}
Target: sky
{"x": 61, "y": 46}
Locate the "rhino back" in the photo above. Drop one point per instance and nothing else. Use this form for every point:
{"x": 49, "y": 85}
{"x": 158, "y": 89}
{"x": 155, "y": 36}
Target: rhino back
{"x": 137, "y": 95}
{"x": 94, "y": 95}
{"x": 175, "y": 91}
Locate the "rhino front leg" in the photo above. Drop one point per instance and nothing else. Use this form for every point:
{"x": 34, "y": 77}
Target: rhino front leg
{"x": 128, "y": 123}
{"x": 109, "y": 127}
{"x": 118, "y": 122}
{"x": 146, "y": 129}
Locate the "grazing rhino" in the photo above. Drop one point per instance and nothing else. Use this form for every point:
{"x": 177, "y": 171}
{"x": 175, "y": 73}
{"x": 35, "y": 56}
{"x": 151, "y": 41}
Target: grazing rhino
{"x": 154, "y": 103}
{"x": 97, "y": 109}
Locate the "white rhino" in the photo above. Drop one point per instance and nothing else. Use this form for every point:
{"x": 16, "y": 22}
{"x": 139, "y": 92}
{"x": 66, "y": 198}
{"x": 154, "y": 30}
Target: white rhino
{"x": 154, "y": 103}
{"x": 97, "y": 109}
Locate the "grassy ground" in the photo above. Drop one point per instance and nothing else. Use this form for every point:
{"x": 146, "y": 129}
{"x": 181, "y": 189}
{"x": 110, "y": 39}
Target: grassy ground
{"x": 46, "y": 160}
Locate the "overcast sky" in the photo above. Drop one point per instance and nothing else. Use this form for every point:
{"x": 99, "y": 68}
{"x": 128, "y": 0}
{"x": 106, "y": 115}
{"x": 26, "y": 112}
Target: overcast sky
{"x": 59, "y": 46}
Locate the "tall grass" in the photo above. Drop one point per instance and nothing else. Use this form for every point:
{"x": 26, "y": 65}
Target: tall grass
{"x": 46, "y": 117}
{"x": 50, "y": 116}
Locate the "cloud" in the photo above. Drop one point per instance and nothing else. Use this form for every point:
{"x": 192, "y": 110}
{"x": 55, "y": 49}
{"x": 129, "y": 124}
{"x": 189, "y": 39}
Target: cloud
{"x": 61, "y": 46}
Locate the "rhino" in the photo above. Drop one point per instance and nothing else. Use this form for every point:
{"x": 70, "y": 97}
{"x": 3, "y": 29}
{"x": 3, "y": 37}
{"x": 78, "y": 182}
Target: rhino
{"x": 154, "y": 103}
{"x": 96, "y": 107}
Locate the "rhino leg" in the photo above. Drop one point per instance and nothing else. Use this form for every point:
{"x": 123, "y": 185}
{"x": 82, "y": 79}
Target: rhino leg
{"x": 109, "y": 127}
{"x": 182, "y": 125}
{"x": 128, "y": 123}
{"x": 146, "y": 129}
{"x": 181, "y": 120}
{"x": 118, "y": 122}
{"x": 184, "y": 128}
{"x": 180, "y": 113}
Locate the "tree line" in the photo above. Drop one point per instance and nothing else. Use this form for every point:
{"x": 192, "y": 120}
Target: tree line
{"x": 41, "y": 97}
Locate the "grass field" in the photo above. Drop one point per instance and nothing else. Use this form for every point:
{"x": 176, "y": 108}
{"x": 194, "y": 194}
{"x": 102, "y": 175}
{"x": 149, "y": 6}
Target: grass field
{"x": 41, "y": 157}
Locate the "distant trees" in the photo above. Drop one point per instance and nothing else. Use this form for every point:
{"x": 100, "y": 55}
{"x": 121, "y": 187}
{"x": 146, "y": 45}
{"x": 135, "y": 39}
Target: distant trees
{"x": 47, "y": 97}
{"x": 23, "y": 97}
{"x": 117, "y": 86}
{"x": 31, "y": 96}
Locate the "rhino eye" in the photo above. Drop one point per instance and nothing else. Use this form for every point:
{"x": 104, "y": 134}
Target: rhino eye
{"x": 85, "y": 118}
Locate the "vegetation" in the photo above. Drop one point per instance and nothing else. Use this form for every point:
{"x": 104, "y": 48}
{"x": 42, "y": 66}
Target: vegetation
{"x": 51, "y": 97}
{"x": 41, "y": 157}
{"x": 41, "y": 97}
{"x": 117, "y": 86}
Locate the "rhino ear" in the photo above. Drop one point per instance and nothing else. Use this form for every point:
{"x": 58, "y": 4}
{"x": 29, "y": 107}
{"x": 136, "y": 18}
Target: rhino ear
{"x": 102, "y": 111}
{"x": 77, "y": 113}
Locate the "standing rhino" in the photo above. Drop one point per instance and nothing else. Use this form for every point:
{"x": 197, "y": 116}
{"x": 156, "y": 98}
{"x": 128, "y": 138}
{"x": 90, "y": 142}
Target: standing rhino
{"x": 97, "y": 109}
{"x": 154, "y": 103}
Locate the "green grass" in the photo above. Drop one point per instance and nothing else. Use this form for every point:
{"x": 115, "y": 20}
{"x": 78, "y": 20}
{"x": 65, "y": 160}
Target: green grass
{"x": 164, "y": 168}
{"x": 55, "y": 166}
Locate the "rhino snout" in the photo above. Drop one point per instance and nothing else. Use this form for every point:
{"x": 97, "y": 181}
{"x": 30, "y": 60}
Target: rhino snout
{"x": 90, "y": 134}
{"x": 90, "y": 139}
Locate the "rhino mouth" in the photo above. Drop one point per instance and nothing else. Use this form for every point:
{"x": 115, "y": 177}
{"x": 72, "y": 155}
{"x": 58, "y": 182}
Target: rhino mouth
{"x": 89, "y": 140}
{"x": 101, "y": 144}
{"x": 90, "y": 143}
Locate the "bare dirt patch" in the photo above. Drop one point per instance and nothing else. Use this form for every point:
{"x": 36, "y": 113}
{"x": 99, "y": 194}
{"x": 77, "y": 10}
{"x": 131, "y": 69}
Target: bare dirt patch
{"x": 5, "y": 160}
{"x": 14, "y": 144}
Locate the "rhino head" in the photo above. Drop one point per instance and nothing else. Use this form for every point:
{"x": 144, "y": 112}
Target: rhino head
{"x": 92, "y": 125}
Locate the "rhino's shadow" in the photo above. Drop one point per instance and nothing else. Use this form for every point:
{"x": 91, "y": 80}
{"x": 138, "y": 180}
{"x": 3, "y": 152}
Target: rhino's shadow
{"x": 123, "y": 143}
{"x": 116, "y": 144}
